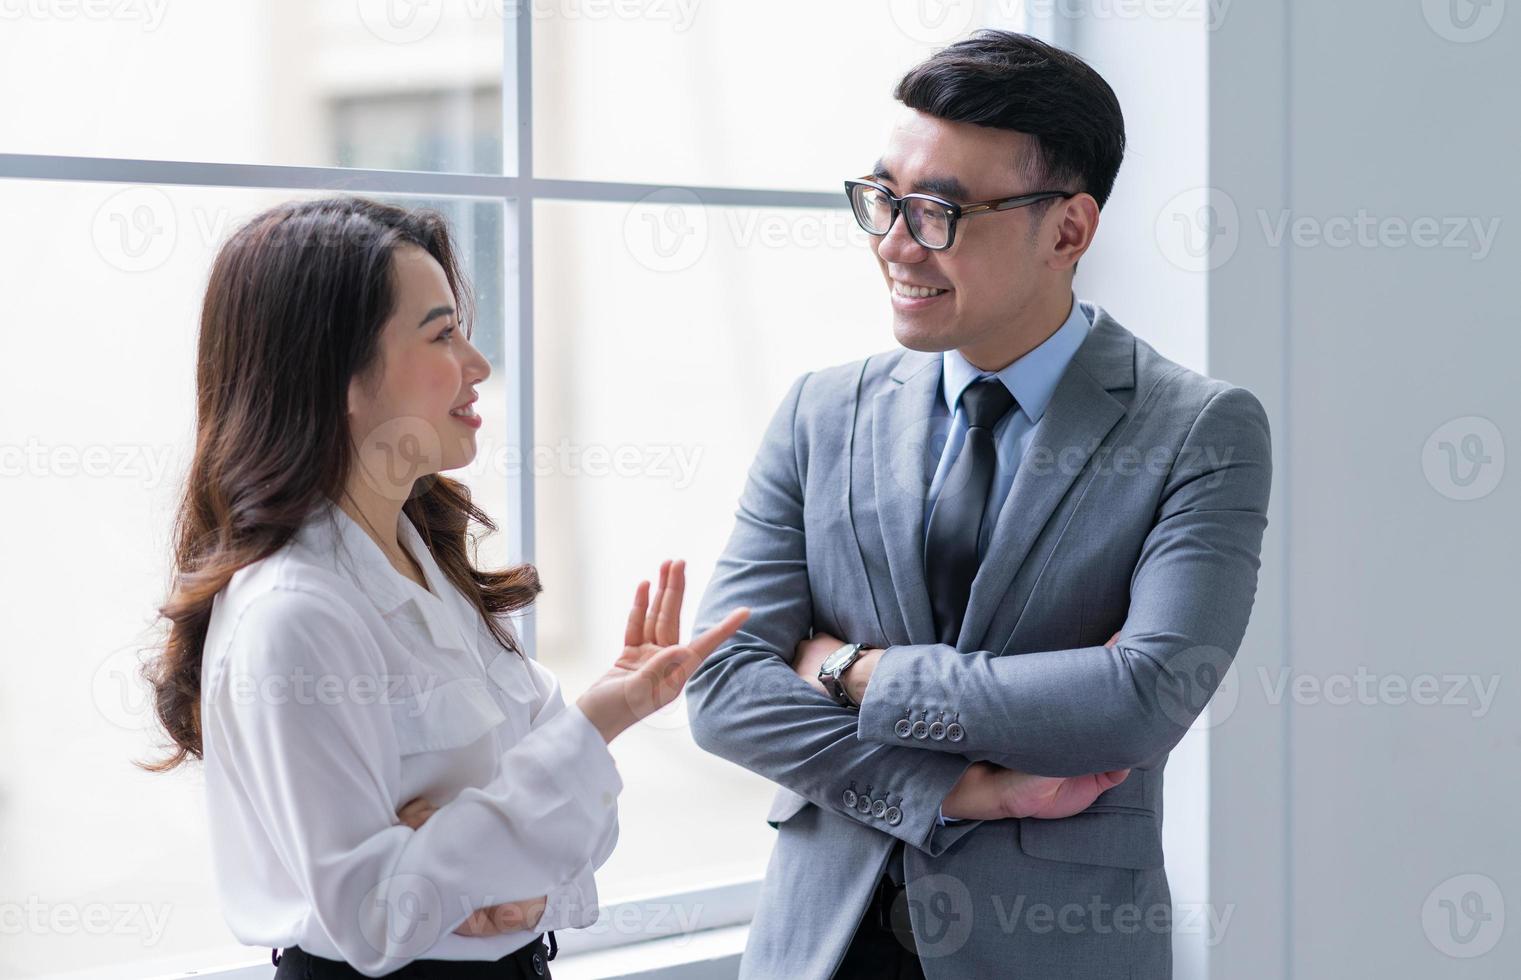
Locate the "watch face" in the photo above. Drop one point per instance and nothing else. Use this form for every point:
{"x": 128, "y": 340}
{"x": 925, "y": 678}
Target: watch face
{"x": 834, "y": 660}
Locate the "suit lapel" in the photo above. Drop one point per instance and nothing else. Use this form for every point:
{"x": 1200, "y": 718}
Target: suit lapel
{"x": 1080, "y": 414}
{"x": 901, "y": 429}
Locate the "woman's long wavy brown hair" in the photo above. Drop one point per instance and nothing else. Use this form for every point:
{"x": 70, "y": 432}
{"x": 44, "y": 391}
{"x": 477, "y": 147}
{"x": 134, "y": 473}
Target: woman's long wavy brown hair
{"x": 293, "y": 311}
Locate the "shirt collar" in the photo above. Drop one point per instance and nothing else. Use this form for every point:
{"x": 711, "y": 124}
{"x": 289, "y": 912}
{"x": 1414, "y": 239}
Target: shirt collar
{"x": 335, "y": 538}
{"x": 1032, "y": 378}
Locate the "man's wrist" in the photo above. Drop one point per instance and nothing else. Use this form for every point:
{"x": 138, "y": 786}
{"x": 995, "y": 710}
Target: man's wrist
{"x": 857, "y": 677}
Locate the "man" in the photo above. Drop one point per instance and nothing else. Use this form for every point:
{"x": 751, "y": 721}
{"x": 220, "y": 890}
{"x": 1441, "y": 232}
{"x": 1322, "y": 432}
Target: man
{"x": 993, "y": 576}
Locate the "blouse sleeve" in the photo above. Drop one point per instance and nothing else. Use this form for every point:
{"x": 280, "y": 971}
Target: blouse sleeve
{"x": 574, "y": 903}
{"x": 322, "y": 772}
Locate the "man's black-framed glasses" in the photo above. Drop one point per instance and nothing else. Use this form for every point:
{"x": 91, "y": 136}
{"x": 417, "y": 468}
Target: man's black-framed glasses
{"x": 931, "y": 220}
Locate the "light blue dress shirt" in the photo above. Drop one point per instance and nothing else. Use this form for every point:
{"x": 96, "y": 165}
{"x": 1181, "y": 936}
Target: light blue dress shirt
{"x": 1031, "y": 380}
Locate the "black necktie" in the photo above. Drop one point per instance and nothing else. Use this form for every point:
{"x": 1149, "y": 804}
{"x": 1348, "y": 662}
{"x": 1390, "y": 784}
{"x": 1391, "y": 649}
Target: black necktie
{"x": 955, "y": 527}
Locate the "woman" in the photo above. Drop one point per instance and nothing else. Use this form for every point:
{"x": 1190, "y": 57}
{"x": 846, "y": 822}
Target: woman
{"x": 392, "y": 787}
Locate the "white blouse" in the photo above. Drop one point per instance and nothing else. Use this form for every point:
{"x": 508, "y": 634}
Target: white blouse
{"x": 334, "y": 689}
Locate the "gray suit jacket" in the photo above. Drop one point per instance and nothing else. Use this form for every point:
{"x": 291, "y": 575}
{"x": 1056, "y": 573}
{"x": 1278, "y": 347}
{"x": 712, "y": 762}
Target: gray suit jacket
{"x": 1139, "y": 506}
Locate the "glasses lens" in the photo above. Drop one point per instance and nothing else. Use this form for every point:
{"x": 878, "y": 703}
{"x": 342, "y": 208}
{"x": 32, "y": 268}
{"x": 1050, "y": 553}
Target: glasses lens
{"x": 930, "y": 222}
{"x": 873, "y": 210}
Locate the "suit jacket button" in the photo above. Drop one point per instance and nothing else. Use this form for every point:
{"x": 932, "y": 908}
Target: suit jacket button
{"x": 921, "y": 730}
{"x": 903, "y": 727}
{"x": 863, "y": 804}
{"x": 538, "y": 964}
{"x": 894, "y": 816}
{"x": 850, "y": 798}
{"x": 955, "y": 732}
{"x": 879, "y": 808}
{"x": 937, "y": 730}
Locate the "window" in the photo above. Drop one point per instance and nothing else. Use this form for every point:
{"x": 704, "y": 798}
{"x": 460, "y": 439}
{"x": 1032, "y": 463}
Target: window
{"x": 659, "y": 247}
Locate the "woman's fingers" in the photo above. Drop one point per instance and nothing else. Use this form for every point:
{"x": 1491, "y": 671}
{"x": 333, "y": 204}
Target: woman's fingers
{"x": 633, "y": 634}
{"x": 711, "y": 638}
{"x": 668, "y": 626}
{"x": 653, "y": 617}
{"x": 415, "y": 812}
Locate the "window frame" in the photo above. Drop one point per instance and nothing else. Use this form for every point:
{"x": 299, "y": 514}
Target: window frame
{"x": 726, "y": 904}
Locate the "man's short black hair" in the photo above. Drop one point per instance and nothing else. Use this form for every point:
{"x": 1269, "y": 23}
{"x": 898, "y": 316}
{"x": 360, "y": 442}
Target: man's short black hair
{"x": 1013, "y": 81}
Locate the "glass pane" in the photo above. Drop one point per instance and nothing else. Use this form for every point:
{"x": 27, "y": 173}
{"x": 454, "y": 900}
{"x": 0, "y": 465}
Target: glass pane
{"x": 109, "y": 865}
{"x": 374, "y": 84}
{"x": 658, "y": 362}
{"x": 788, "y": 94}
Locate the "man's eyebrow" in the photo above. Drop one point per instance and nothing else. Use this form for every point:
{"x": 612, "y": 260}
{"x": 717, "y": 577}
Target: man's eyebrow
{"x": 948, "y": 187}
{"x": 437, "y": 311}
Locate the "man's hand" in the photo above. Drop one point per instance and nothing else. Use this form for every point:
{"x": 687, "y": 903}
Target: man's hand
{"x": 811, "y": 654}
{"x": 989, "y": 792}
{"x": 493, "y": 920}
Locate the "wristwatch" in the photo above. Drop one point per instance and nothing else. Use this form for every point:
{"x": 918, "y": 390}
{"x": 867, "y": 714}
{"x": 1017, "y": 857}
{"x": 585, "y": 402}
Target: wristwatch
{"x": 834, "y": 666}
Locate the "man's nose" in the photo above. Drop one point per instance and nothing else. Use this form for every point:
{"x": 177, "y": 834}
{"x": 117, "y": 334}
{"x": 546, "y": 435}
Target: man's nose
{"x": 899, "y": 246}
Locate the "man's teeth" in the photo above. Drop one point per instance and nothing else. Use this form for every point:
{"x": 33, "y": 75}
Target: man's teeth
{"x": 916, "y": 292}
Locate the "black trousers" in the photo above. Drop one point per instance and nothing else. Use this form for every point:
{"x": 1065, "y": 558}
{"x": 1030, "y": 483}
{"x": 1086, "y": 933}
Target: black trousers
{"x": 883, "y": 946}
{"x": 531, "y": 962}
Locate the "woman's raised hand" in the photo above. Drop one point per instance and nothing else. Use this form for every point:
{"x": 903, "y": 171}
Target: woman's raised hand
{"x": 654, "y": 666}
